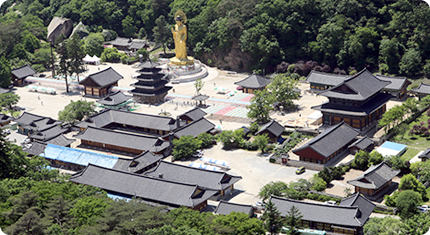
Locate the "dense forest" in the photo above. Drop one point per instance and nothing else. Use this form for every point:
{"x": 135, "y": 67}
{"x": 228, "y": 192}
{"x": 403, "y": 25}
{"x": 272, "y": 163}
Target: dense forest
{"x": 328, "y": 35}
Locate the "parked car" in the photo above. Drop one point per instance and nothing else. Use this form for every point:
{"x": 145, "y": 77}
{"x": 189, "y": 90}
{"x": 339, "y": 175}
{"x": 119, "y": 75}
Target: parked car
{"x": 198, "y": 154}
{"x": 333, "y": 203}
{"x": 6, "y": 131}
{"x": 300, "y": 170}
{"x": 25, "y": 141}
{"x": 424, "y": 208}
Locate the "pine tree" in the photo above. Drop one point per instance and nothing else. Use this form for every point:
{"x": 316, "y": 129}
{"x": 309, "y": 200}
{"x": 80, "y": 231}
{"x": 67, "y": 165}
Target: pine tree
{"x": 273, "y": 221}
{"x": 160, "y": 32}
{"x": 293, "y": 220}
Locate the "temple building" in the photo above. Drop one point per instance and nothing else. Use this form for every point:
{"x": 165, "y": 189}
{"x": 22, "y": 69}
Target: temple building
{"x": 116, "y": 100}
{"x": 421, "y": 91}
{"x": 358, "y": 101}
{"x": 151, "y": 87}
{"x": 253, "y": 83}
{"x": 99, "y": 83}
{"x": 19, "y": 74}
{"x": 374, "y": 180}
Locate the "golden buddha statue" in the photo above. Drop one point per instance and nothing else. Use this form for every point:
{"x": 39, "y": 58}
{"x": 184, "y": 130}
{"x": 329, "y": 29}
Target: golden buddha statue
{"x": 180, "y": 38}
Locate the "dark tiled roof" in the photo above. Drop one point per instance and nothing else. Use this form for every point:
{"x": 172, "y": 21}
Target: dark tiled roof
{"x": 326, "y": 78}
{"x": 147, "y": 188}
{"x": 137, "y": 163}
{"x": 23, "y": 71}
{"x": 396, "y": 82}
{"x": 364, "y": 205}
{"x": 363, "y": 110}
{"x": 5, "y": 118}
{"x": 102, "y": 78}
{"x": 200, "y": 97}
{"x": 60, "y": 140}
{"x": 119, "y": 41}
{"x": 125, "y": 140}
{"x": 362, "y": 143}
{"x": 422, "y": 89}
{"x": 114, "y": 99}
{"x": 195, "y": 128}
{"x": 35, "y": 122}
{"x": 273, "y": 127}
{"x": 364, "y": 85}
{"x": 148, "y": 64}
{"x": 36, "y": 148}
{"x": 3, "y": 90}
{"x": 140, "y": 120}
{"x": 213, "y": 180}
{"x": 193, "y": 114}
{"x": 48, "y": 133}
{"x": 137, "y": 44}
{"x": 254, "y": 81}
{"x": 225, "y": 208}
{"x": 425, "y": 154}
{"x": 331, "y": 140}
{"x": 316, "y": 212}
{"x": 375, "y": 176}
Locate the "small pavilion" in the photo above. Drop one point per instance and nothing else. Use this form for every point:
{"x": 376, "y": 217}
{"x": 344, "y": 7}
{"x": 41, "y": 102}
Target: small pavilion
{"x": 421, "y": 91}
{"x": 19, "y": 74}
{"x": 253, "y": 83}
{"x": 99, "y": 83}
{"x": 201, "y": 99}
{"x": 117, "y": 100}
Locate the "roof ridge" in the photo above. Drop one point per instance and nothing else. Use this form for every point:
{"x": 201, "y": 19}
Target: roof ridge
{"x": 333, "y": 74}
{"x": 117, "y": 132}
{"x": 314, "y": 203}
{"x": 144, "y": 176}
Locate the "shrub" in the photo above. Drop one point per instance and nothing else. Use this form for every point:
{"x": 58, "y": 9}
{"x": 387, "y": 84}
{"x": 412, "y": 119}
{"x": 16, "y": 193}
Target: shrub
{"x": 324, "y": 198}
{"x": 313, "y": 196}
{"x": 248, "y": 145}
{"x": 318, "y": 184}
{"x": 206, "y": 139}
{"x": 426, "y": 134}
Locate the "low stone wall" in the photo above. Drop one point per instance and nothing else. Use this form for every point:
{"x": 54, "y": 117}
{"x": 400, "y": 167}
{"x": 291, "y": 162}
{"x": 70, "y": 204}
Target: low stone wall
{"x": 307, "y": 165}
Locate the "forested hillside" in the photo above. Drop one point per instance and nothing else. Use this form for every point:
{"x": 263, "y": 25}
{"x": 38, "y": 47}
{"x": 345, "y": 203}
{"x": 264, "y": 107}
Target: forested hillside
{"x": 331, "y": 35}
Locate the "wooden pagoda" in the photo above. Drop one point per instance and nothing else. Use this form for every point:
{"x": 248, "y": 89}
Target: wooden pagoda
{"x": 151, "y": 87}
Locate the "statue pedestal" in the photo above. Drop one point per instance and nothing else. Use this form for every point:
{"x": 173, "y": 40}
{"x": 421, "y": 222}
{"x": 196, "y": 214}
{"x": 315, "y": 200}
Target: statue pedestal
{"x": 182, "y": 62}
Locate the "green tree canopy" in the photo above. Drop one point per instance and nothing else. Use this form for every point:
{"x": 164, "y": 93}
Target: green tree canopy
{"x": 8, "y": 100}
{"x": 260, "y": 106}
{"x": 76, "y": 111}
{"x": 277, "y": 188}
{"x": 161, "y": 32}
{"x": 94, "y": 44}
{"x": 408, "y": 202}
{"x": 273, "y": 221}
{"x": 185, "y": 146}
{"x": 4, "y": 72}
{"x": 261, "y": 141}
{"x": 283, "y": 89}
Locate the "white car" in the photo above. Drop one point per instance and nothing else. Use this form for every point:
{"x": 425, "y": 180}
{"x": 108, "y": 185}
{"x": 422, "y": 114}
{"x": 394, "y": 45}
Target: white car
{"x": 333, "y": 203}
{"x": 25, "y": 141}
{"x": 424, "y": 208}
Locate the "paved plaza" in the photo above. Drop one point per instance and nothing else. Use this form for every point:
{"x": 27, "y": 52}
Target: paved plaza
{"x": 255, "y": 170}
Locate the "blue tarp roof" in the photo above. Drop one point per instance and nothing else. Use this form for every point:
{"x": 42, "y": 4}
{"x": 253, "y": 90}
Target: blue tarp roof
{"x": 393, "y": 146}
{"x": 77, "y": 156}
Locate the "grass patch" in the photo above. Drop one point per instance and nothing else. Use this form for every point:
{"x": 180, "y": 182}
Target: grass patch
{"x": 417, "y": 142}
{"x": 416, "y": 83}
{"x": 410, "y": 153}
